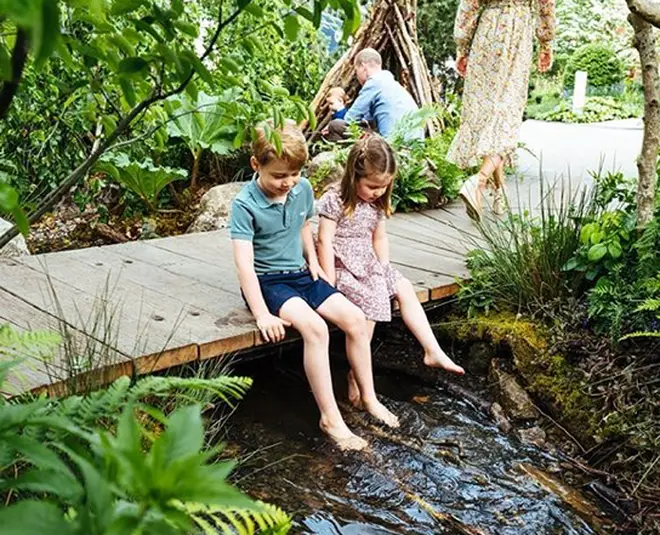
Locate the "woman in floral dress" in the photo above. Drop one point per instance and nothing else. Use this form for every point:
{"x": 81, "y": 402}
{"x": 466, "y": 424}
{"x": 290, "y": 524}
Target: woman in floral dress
{"x": 495, "y": 41}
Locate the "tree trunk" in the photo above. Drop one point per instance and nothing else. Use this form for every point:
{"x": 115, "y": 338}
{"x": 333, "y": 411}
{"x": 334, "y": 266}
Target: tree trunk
{"x": 646, "y": 163}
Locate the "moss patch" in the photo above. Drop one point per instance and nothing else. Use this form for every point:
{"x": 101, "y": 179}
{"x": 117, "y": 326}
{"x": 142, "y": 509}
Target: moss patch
{"x": 548, "y": 376}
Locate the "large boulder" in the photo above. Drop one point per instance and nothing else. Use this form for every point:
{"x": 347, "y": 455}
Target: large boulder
{"x": 16, "y": 247}
{"x": 513, "y": 397}
{"x": 215, "y": 208}
{"x": 323, "y": 170}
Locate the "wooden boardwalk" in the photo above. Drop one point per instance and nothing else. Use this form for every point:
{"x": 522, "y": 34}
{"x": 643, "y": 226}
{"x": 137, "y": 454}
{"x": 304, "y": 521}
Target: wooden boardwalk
{"x": 144, "y": 306}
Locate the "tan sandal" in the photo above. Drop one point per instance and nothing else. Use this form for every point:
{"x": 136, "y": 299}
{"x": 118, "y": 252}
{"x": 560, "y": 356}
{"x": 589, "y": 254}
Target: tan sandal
{"x": 469, "y": 195}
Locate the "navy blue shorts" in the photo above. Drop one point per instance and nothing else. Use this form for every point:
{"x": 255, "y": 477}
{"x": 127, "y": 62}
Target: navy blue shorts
{"x": 278, "y": 288}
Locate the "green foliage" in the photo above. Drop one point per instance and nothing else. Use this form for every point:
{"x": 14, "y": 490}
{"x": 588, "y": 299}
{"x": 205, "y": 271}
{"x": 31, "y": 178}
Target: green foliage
{"x": 603, "y": 67}
{"x": 521, "y": 267}
{"x": 435, "y": 27}
{"x": 596, "y": 109}
{"x": 143, "y": 179}
{"x": 578, "y": 21}
{"x": 111, "y": 64}
{"x": 9, "y": 205}
{"x": 114, "y": 463}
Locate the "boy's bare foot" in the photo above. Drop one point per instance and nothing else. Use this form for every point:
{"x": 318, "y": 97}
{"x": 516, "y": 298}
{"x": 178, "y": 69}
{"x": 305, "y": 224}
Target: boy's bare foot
{"x": 381, "y": 413}
{"x": 343, "y": 437}
{"x": 354, "y": 391}
{"x": 441, "y": 360}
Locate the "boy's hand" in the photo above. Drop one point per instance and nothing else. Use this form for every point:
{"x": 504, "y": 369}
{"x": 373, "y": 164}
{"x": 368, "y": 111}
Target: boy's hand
{"x": 272, "y": 327}
{"x": 316, "y": 271}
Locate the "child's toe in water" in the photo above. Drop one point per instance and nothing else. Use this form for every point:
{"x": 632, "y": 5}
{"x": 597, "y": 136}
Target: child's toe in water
{"x": 343, "y": 437}
{"x": 381, "y": 413}
{"x": 441, "y": 360}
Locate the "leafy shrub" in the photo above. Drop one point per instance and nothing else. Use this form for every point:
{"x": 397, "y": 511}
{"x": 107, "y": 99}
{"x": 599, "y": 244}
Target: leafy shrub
{"x": 143, "y": 472}
{"x": 143, "y": 179}
{"x": 521, "y": 266}
{"x": 604, "y": 69}
{"x": 622, "y": 262}
{"x": 435, "y": 28}
{"x": 596, "y": 109}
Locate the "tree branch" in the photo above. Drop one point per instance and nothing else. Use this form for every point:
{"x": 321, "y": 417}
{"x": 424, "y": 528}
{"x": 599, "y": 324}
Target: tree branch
{"x": 649, "y": 10}
{"x": 49, "y": 201}
{"x": 18, "y": 60}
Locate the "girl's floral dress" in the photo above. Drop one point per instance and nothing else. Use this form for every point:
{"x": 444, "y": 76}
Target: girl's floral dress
{"x": 361, "y": 277}
{"x": 498, "y": 38}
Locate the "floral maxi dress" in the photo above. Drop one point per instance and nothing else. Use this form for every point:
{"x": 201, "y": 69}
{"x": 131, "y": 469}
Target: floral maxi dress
{"x": 497, "y": 36}
{"x": 361, "y": 277}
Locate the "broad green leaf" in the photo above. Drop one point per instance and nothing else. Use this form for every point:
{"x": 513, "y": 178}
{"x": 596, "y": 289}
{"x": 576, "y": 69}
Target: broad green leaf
{"x": 291, "y": 27}
{"x": 596, "y": 252}
{"x": 128, "y": 91}
{"x": 123, "y": 7}
{"x": 123, "y": 44}
{"x": 199, "y": 67}
{"x": 31, "y": 517}
{"x": 254, "y": 10}
{"x": 184, "y": 435}
{"x": 615, "y": 249}
{"x": 132, "y": 65}
{"x": 46, "y": 32}
{"x": 306, "y": 13}
{"x": 62, "y": 484}
{"x": 8, "y": 197}
{"x": 5, "y": 64}
{"x": 188, "y": 28}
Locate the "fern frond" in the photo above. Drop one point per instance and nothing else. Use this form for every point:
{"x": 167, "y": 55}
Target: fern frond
{"x": 37, "y": 344}
{"x": 641, "y": 334}
{"x": 227, "y": 388}
{"x": 649, "y": 305}
{"x": 263, "y": 519}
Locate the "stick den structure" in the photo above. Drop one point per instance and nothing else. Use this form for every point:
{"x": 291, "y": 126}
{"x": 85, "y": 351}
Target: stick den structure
{"x": 391, "y": 28}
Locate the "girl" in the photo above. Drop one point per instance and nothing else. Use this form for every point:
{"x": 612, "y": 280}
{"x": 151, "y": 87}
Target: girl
{"x": 354, "y": 250}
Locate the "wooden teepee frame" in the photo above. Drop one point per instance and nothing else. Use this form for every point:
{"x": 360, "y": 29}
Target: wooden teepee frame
{"x": 391, "y": 29}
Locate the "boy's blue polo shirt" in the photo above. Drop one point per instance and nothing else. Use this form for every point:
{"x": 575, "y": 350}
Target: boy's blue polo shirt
{"x": 273, "y": 228}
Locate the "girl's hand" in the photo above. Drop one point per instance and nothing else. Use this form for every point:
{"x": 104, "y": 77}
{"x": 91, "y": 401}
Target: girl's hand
{"x": 461, "y": 65}
{"x": 272, "y": 327}
{"x": 545, "y": 59}
{"x": 316, "y": 271}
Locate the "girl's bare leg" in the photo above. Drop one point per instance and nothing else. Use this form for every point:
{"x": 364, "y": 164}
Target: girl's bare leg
{"x": 353, "y": 389}
{"x": 351, "y": 320}
{"x": 314, "y": 332}
{"x": 415, "y": 318}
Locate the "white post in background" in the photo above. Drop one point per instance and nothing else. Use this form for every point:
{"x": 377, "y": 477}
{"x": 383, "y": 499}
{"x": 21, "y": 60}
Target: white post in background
{"x": 579, "y": 92}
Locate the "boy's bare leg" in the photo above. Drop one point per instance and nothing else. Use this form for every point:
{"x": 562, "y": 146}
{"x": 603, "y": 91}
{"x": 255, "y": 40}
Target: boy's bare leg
{"x": 353, "y": 389}
{"x": 351, "y": 320}
{"x": 415, "y": 318}
{"x": 314, "y": 332}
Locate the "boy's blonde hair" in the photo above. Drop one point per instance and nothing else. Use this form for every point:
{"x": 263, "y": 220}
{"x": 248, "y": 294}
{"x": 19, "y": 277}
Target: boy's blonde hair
{"x": 370, "y": 155}
{"x": 337, "y": 92}
{"x": 294, "y": 145}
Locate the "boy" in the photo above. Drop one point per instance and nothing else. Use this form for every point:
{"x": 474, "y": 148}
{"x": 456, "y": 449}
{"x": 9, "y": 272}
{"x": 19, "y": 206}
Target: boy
{"x": 336, "y": 100}
{"x": 283, "y": 283}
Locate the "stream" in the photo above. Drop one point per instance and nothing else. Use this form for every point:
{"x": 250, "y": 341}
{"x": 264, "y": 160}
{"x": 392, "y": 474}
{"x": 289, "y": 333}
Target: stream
{"x": 447, "y": 469}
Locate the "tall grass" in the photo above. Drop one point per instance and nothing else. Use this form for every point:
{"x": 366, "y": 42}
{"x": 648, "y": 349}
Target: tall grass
{"x": 521, "y": 267}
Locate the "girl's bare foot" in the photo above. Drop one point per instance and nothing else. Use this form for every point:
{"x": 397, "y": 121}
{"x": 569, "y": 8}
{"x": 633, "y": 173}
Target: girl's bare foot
{"x": 439, "y": 359}
{"x": 354, "y": 391}
{"x": 380, "y": 412}
{"x": 343, "y": 437}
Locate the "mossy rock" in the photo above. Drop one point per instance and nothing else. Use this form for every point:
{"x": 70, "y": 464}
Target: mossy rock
{"x": 548, "y": 376}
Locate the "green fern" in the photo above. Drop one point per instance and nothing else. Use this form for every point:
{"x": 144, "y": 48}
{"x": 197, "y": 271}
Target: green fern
{"x": 649, "y": 305}
{"x": 641, "y": 334}
{"x": 38, "y": 344}
{"x": 263, "y": 519}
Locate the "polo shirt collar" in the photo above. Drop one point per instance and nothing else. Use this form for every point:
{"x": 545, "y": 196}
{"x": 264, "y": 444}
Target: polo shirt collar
{"x": 260, "y": 197}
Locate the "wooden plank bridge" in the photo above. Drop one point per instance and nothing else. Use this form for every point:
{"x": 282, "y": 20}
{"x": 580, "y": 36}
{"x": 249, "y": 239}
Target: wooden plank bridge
{"x": 140, "y": 307}
{"x": 144, "y": 306}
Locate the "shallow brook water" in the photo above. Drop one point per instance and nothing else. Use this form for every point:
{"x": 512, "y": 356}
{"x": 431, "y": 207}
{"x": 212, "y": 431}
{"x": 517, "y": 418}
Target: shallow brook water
{"x": 448, "y": 469}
